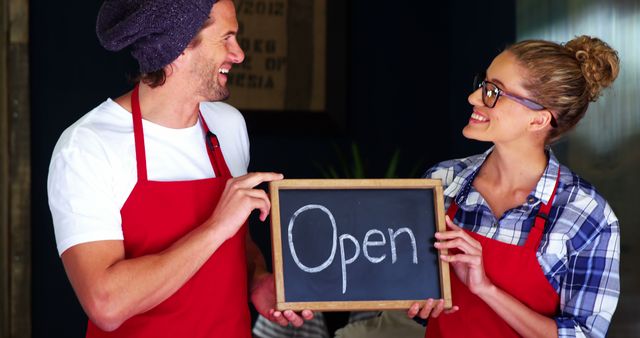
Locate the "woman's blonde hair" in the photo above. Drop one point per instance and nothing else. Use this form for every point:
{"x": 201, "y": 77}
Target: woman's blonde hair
{"x": 564, "y": 78}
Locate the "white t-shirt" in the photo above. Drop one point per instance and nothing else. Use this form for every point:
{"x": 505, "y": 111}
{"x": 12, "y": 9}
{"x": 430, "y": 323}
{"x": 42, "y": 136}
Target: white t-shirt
{"x": 93, "y": 166}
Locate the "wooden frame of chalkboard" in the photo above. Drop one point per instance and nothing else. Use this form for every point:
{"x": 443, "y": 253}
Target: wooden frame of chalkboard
{"x": 366, "y": 198}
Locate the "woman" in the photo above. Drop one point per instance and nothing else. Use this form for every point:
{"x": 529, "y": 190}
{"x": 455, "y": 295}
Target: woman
{"x": 535, "y": 249}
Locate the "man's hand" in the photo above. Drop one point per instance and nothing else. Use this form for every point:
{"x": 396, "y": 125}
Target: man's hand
{"x": 263, "y": 296}
{"x": 239, "y": 199}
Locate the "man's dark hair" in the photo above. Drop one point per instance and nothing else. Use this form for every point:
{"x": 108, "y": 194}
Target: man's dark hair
{"x": 152, "y": 79}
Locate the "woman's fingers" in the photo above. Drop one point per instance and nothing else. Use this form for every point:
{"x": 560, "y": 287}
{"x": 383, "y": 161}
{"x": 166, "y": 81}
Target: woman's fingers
{"x": 426, "y": 310}
{"x": 413, "y": 310}
{"x": 451, "y": 310}
{"x": 457, "y": 232}
{"x": 450, "y": 223}
{"x": 459, "y": 243}
{"x": 437, "y": 309}
{"x": 462, "y": 258}
{"x": 431, "y": 308}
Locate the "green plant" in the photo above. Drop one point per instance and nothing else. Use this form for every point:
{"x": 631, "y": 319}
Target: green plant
{"x": 354, "y": 166}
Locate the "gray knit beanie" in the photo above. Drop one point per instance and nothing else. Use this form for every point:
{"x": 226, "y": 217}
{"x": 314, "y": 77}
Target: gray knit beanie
{"x": 157, "y": 30}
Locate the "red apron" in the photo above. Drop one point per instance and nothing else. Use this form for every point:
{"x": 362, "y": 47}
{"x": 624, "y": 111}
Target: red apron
{"x": 213, "y": 303}
{"x": 514, "y": 269}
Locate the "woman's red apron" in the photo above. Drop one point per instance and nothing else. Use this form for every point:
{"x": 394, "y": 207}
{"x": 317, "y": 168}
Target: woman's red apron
{"x": 213, "y": 303}
{"x": 514, "y": 269}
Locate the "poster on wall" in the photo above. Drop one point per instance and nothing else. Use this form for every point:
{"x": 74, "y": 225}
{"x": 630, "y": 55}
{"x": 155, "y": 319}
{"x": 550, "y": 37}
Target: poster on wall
{"x": 285, "y": 60}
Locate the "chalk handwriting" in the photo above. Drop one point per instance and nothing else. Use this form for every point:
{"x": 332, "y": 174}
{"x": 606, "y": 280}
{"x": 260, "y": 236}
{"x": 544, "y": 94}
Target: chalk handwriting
{"x": 366, "y": 243}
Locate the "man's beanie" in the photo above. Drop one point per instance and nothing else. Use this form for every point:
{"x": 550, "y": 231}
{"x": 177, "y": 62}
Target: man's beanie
{"x": 157, "y": 30}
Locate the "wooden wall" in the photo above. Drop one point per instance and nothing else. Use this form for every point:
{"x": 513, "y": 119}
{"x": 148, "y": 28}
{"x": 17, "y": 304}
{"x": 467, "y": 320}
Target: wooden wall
{"x": 15, "y": 171}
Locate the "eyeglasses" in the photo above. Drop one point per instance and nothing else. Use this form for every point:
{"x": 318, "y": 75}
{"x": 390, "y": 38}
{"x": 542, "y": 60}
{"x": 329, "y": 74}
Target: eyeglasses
{"x": 491, "y": 93}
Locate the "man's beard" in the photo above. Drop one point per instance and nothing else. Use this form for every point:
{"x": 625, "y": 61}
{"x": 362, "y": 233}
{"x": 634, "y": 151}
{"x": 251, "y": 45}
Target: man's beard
{"x": 209, "y": 87}
{"x": 214, "y": 91}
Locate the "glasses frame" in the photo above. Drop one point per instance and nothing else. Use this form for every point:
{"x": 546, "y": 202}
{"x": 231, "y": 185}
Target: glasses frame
{"x": 481, "y": 82}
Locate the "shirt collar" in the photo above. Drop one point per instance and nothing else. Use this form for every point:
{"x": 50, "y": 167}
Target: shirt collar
{"x": 547, "y": 182}
{"x": 461, "y": 185}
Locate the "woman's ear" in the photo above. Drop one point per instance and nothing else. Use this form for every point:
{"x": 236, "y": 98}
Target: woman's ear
{"x": 540, "y": 120}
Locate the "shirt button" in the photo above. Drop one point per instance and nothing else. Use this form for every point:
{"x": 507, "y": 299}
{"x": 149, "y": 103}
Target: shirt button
{"x": 531, "y": 199}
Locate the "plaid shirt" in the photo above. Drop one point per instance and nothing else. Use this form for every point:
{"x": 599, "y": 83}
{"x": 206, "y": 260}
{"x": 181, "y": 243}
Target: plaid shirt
{"x": 580, "y": 249}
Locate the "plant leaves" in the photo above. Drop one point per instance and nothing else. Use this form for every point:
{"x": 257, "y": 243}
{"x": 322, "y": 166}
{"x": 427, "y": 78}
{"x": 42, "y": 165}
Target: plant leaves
{"x": 393, "y": 165}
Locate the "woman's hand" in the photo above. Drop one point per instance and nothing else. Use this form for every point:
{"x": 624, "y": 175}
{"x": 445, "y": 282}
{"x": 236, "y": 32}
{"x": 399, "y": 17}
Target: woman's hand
{"x": 432, "y": 308}
{"x": 467, "y": 265}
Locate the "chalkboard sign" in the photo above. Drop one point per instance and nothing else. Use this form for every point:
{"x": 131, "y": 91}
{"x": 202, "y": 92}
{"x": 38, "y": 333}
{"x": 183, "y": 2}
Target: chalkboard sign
{"x": 347, "y": 244}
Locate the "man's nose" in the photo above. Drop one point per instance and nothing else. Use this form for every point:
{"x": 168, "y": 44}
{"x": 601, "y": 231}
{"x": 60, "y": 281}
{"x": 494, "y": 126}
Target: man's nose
{"x": 236, "y": 53}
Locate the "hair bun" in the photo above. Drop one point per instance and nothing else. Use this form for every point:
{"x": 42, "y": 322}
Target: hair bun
{"x": 599, "y": 63}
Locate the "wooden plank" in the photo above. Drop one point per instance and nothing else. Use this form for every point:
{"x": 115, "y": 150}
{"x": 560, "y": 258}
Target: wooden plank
{"x": 400, "y": 183}
{"x": 276, "y": 243}
{"x": 353, "y": 305}
{"x": 19, "y": 21}
{"x": 5, "y": 298}
{"x": 445, "y": 281}
{"x": 20, "y": 190}
{"x": 19, "y": 169}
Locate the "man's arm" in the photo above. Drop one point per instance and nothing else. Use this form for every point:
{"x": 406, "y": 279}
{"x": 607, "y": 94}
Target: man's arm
{"x": 112, "y": 289}
{"x": 262, "y": 290}
{"x": 256, "y": 266}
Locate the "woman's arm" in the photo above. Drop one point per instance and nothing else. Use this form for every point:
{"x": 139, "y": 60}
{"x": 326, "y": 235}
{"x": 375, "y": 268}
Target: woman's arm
{"x": 520, "y": 317}
{"x": 590, "y": 287}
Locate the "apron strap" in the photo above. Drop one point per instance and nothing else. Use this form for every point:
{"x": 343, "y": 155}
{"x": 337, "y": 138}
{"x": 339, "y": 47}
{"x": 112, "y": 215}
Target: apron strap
{"x": 214, "y": 151}
{"x": 542, "y": 218}
{"x": 141, "y": 159}
{"x": 453, "y": 209}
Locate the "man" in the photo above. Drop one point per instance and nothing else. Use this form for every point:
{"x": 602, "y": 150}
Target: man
{"x": 149, "y": 221}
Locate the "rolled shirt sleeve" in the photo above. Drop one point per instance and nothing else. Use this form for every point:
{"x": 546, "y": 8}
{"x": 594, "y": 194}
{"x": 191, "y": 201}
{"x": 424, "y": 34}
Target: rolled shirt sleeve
{"x": 591, "y": 288}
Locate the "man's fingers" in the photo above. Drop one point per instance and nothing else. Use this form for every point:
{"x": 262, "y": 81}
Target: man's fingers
{"x": 280, "y": 319}
{"x": 307, "y": 314}
{"x": 257, "y": 193}
{"x": 290, "y": 317}
{"x": 293, "y": 318}
{"x": 253, "y": 179}
{"x": 264, "y": 205}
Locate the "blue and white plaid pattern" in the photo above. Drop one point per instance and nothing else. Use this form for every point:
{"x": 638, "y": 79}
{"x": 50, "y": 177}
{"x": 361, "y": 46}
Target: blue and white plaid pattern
{"x": 580, "y": 249}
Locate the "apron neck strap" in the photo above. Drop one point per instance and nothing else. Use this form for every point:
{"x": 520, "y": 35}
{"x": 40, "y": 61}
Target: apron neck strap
{"x": 542, "y": 218}
{"x": 213, "y": 150}
{"x": 138, "y": 134}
